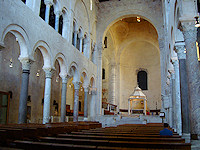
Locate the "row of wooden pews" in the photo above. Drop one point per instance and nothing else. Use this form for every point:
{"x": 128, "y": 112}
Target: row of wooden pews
{"x": 11, "y": 132}
{"x": 127, "y": 137}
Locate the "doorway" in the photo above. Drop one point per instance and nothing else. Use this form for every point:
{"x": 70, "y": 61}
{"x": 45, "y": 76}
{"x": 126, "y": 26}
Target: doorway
{"x": 4, "y": 107}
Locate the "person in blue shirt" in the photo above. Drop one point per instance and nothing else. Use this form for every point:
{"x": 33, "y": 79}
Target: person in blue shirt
{"x": 166, "y": 131}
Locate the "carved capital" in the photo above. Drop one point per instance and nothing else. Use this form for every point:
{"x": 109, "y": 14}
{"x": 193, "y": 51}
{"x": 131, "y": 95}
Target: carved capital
{"x": 48, "y": 72}
{"x": 58, "y": 13}
{"x": 65, "y": 78}
{"x": 86, "y": 88}
{"x": 48, "y": 2}
{"x": 76, "y": 84}
{"x": 189, "y": 30}
{"x": 26, "y": 63}
{"x": 180, "y": 50}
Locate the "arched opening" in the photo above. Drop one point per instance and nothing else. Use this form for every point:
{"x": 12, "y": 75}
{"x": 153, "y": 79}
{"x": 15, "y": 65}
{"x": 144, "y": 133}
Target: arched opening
{"x": 131, "y": 43}
{"x": 10, "y": 78}
{"x": 60, "y": 24}
{"x": 52, "y": 17}
{"x": 36, "y": 85}
{"x": 56, "y": 91}
{"x": 42, "y": 9}
{"x": 74, "y": 33}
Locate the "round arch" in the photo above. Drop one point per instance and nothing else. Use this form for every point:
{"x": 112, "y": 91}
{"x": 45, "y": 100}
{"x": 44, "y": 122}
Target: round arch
{"x": 74, "y": 71}
{"x": 46, "y": 53}
{"x": 21, "y": 37}
{"x": 102, "y": 30}
{"x": 62, "y": 62}
{"x": 84, "y": 74}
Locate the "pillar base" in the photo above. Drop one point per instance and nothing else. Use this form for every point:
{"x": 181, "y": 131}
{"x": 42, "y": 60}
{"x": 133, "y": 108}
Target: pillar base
{"x": 186, "y": 136}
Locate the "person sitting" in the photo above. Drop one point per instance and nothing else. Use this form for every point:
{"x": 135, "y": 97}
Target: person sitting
{"x": 166, "y": 131}
{"x": 148, "y": 113}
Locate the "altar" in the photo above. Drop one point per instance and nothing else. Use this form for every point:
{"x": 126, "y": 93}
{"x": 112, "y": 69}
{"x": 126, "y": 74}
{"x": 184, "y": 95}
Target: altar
{"x": 137, "y": 102}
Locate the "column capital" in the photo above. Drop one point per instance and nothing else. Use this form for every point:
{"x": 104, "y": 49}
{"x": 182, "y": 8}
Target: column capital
{"x": 26, "y": 63}
{"x": 58, "y": 13}
{"x": 93, "y": 91}
{"x": 80, "y": 35}
{"x": 48, "y": 2}
{"x": 48, "y": 72}
{"x": 76, "y": 84}
{"x": 65, "y": 78}
{"x": 180, "y": 50}
{"x": 86, "y": 88}
{"x": 189, "y": 29}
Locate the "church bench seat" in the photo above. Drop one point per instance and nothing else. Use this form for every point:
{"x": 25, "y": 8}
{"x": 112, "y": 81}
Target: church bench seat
{"x": 124, "y": 144}
{"x": 122, "y": 138}
{"x": 30, "y": 145}
{"x": 118, "y": 135}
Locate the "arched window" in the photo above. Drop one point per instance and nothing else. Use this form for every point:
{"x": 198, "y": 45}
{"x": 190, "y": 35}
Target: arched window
{"x": 103, "y": 73}
{"x": 73, "y": 33}
{"x": 142, "y": 80}
{"x": 52, "y": 17}
{"x": 60, "y": 24}
{"x": 42, "y": 9}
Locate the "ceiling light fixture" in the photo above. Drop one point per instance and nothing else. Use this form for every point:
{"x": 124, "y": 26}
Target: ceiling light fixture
{"x": 138, "y": 19}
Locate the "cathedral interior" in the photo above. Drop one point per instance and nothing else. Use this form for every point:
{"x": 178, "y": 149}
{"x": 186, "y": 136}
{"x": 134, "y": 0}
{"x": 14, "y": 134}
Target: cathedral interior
{"x": 105, "y": 63}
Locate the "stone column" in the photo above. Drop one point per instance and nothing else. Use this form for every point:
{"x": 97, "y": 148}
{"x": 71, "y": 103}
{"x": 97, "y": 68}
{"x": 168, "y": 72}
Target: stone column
{"x": 70, "y": 25}
{"x": 76, "y": 100}
{"x": 85, "y": 101}
{"x": 129, "y": 107}
{"x": 99, "y": 78}
{"x": 178, "y": 98}
{"x": 180, "y": 48}
{"x": 47, "y": 11}
{"x": 174, "y": 122}
{"x": 112, "y": 80}
{"x": 193, "y": 72}
{"x": 63, "y": 98}
{"x": 66, "y": 26}
{"x": 145, "y": 107}
{"x": 81, "y": 44}
{"x": 92, "y": 105}
{"x": 171, "y": 99}
{"x": 98, "y": 61}
{"x": 26, "y": 64}
{"x": 47, "y": 95}
{"x": 75, "y": 38}
{"x": 86, "y": 50}
{"x": 57, "y": 14}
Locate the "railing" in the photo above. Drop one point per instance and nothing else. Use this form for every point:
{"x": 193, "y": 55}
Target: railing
{"x": 109, "y": 109}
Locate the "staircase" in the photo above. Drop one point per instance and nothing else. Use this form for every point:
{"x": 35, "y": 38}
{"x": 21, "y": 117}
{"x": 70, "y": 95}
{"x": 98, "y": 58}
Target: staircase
{"x": 115, "y": 120}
